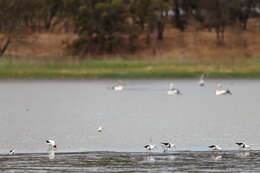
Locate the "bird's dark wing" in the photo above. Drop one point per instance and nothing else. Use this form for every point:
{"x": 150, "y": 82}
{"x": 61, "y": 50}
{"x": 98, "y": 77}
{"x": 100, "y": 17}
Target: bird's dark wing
{"x": 146, "y": 146}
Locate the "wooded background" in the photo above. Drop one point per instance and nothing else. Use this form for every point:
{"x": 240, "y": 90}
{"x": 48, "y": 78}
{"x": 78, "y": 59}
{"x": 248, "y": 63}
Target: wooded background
{"x": 109, "y": 26}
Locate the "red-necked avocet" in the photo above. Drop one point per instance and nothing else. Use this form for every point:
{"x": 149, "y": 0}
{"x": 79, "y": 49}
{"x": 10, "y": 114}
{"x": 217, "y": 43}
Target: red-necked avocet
{"x": 166, "y": 146}
{"x": 11, "y": 153}
{"x": 99, "y": 129}
{"x": 52, "y": 144}
{"x": 243, "y": 145}
{"x": 215, "y": 148}
{"x": 149, "y": 147}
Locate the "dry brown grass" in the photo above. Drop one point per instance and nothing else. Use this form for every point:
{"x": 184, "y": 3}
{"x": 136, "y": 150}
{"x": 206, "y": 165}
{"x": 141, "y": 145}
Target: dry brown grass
{"x": 191, "y": 44}
{"x": 41, "y": 45}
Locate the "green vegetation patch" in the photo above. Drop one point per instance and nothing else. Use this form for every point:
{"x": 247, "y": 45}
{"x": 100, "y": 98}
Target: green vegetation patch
{"x": 17, "y": 68}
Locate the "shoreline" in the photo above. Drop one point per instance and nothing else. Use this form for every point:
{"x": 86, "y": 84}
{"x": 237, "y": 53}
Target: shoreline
{"x": 127, "y": 69}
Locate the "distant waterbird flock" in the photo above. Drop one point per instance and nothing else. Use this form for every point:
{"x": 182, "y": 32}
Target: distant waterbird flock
{"x": 166, "y": 146}
{"x": 173, "y": 91}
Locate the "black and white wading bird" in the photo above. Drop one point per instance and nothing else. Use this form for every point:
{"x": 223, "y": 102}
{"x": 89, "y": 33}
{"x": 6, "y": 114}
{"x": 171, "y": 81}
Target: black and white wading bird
{"x": 99, "y": 129}
{"x": 149, "y": 147}
{"x": 166, "y": 146}
{"x": 52, "y": 144}
{"x": 221, "y": 91}
{"x": 243, "y": 145}
{"x": 215, "y": 148}
{"x": 173, "y": 91}
{"x": 11, "y": 153}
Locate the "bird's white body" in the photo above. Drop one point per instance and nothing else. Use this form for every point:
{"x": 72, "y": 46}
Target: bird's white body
{"x": 243, "y": 145}
{"x": 11, "y": 153}
{"x": 167, "y": 145}
{"x": 149, "y": 147}
{"x": 215, "y": 148}
{"x": 99, "y": 129}
{"x": 202, "y": 81}
{"x": 118, "y": 87}
{"x": 221, "y": 91}
{"x": 52, "y": 144}
{"x": 173, "y": 91}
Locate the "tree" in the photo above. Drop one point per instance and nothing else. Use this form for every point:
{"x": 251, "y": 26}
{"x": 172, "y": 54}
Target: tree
{"x": 162, "y": 7}
{"x": 245, "y": 10}
{"x": 11, "y": 26}
{"x": 217, "y": 14}
{"x": 101, "y": 25}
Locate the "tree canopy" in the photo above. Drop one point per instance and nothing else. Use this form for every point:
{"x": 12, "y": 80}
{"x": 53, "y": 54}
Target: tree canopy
{"x": 103, "y": 26}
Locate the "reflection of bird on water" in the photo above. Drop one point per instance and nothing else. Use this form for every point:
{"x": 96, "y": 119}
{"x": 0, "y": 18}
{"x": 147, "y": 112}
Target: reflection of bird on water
{"x": 243, "y": 154}
{"x": 216, "y": 158}
{"x": 51, "y": 154}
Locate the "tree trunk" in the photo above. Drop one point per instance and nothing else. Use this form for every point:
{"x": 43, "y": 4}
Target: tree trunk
{"x": 5, "y": 46}
{"x": 160, "y": 30}
{"x": 178, "y": 21}
{"x": 148, "y": 38}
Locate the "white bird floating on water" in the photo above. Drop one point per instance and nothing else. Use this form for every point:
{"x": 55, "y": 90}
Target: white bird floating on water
{"x": 173, "y": 91}
{"x": 202, "y": 80}
{"x": 167, "y": 145}
{"x": 11, "y": 153}
{"x": 149, "y": 147}
{"x": 99, "y": 129}
{"x": 52, "y": 144}
{"x": 118, "y": 87}
{"x": 243, "y": 145}
{"x": 221, "y": 91}
{"x": 215, "y": 148}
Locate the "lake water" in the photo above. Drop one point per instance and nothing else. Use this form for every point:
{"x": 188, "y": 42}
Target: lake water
{"x": 111, "y": 162}
{"x": 70, "y": 111}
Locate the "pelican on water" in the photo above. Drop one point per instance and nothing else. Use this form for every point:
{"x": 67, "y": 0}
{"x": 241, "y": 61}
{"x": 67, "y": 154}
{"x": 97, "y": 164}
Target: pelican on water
{"x": 118, "y": 87}
{"x": 173, "y": 91}
{"x": 202, "y": 80}
{"x": 221, "y": 91}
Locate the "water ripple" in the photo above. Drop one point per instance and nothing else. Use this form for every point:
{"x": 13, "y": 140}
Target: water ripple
{"x": 97, "y": 162}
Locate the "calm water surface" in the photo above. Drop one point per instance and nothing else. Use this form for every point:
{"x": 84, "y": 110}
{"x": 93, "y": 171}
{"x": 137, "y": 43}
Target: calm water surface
{"x": 70, "y": 112}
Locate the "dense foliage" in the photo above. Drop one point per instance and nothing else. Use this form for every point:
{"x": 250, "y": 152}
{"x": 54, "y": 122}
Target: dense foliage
{"x": 105, "y": 25}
